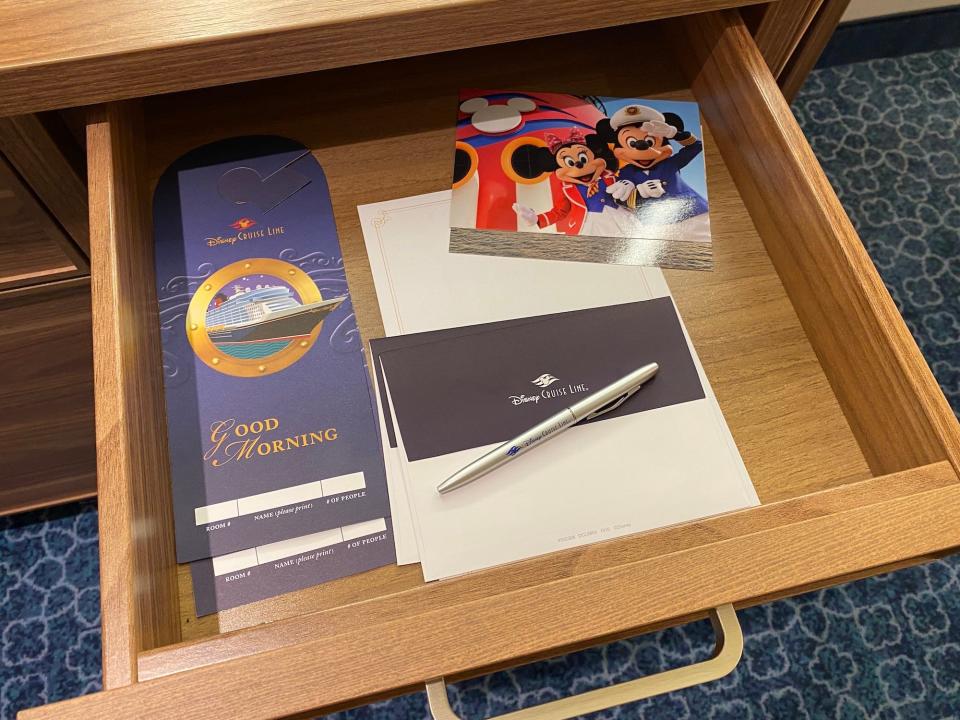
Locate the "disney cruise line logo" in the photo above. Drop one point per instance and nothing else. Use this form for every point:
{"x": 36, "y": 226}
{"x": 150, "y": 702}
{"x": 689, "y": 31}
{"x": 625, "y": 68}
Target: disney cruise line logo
{"x": 544, "y": 380}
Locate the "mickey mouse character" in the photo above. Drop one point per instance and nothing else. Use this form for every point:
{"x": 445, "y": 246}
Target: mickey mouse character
{"x": 649, "y": 169}
{"x": 582, "y": 166}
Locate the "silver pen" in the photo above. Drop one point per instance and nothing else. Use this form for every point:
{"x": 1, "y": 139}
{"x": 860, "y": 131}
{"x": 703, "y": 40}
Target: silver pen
{"x": 603, "y": 401}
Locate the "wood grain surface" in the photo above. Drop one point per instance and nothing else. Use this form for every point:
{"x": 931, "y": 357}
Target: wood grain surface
{"x": 449, "y": 641}
{"x": 43, "y": 159}
{"x": 59, "y": 53}
{"x": 339, "y": 606}
{"x": 811, "y": 47}
{"x": 46, "y": 396}
{"x": 783, "y": 415}
{"x": 782, "y": 27}
{"x": 895, "y": 406}
{"x": 138, "y": 595}
{"x": 33, "y": 248}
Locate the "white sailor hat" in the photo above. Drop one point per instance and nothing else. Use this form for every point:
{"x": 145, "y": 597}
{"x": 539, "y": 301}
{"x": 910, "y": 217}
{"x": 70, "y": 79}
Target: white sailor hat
{"x": 633, "y": 115}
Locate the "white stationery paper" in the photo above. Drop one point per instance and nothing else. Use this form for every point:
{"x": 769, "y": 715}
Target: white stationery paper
{"x": 404, "y": 533}
{"x": 420, "y": 286}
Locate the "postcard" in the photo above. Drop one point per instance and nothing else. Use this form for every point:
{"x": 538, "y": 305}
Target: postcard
{"x": 662, "y": 458}
{"x": 271, "y": 429}
{"x": 266, "y": 571}
{"x": 580, "y": 178}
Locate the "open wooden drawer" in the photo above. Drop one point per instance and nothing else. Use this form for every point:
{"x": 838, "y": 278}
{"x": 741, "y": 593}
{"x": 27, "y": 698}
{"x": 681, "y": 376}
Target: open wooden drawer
{"x": 849, "y": 441}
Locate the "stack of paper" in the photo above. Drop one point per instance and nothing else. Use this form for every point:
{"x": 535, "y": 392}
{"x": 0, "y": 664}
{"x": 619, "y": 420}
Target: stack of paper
{"x": 448, "y": 396}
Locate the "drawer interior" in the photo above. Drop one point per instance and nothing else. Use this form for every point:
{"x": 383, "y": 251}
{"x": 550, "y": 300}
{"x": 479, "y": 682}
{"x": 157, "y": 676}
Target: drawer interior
{"x": 766, "y": 333}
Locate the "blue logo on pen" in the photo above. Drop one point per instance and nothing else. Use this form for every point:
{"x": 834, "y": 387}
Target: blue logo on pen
{"x": 513, "y": 450}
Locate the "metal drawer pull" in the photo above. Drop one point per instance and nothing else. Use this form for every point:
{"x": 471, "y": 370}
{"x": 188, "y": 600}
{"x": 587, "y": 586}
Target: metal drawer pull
{"x": 725, "y": 658}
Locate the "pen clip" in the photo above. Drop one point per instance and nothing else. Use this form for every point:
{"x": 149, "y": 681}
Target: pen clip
{"x": 612, "y": 405}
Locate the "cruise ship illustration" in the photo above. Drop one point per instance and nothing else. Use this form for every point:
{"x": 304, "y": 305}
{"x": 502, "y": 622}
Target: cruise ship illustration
{"x": 264, "y": 315}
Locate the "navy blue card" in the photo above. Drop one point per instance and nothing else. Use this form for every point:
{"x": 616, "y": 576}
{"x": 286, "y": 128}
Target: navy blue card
{"x": 258, "y": 573}
{"x": 270, "y": 427}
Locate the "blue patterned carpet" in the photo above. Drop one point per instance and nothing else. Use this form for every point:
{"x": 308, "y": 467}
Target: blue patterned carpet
{"x": 888, "y": 134}
{"x": 50, "y": 612}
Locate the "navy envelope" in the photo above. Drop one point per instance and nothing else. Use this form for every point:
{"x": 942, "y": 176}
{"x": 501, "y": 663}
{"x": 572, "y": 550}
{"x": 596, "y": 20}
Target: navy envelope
{"x": 470, "y": 387}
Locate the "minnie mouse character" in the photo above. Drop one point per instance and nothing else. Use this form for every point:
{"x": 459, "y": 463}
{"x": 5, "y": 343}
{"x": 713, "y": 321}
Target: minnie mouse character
{"x": 649, "y": 168}
{"x": 582, "y": 164}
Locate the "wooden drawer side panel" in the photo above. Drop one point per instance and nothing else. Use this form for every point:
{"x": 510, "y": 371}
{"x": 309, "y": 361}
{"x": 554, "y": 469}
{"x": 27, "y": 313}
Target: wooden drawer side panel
{"x": 41, "y": 157}
{"x": 33, "y": 248}
{"x": 893, "y": 403}
{"x": 137, "y": 563}
{"x": 781, "y": 28}
{"x": 46, "y": 396}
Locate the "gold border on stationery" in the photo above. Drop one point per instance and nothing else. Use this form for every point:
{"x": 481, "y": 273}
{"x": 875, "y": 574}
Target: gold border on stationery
{"x": 727, "y": 654}
{"x": 196, "y": 323}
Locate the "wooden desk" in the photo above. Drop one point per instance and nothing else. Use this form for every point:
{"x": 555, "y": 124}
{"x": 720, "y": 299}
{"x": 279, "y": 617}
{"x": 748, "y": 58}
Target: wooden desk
{"x": 849, "y": 440}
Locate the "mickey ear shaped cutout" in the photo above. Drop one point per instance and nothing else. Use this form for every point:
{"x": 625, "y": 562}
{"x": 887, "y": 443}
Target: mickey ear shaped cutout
{"x": 522, "y": 104}
{"x": 473, "y": 105}
{"x": 243, "y": 185}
